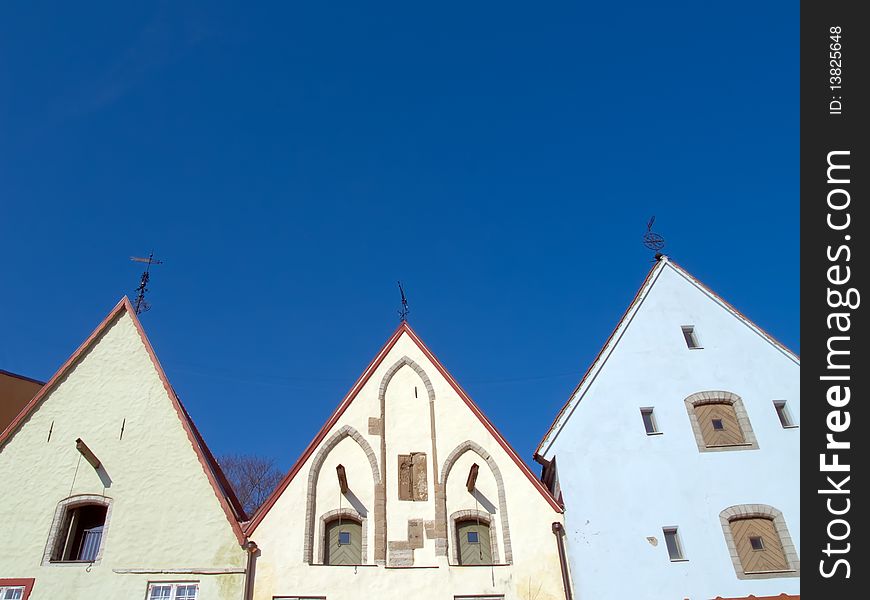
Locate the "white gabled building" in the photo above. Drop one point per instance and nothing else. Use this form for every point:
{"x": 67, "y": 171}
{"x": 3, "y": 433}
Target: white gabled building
{"x": 409, "y": 492}
{"x": 677, "y": 456}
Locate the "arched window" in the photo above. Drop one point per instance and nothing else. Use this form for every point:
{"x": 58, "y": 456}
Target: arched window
{"x": 719, "y": 422}
{"x": 78, "y": 530}
{"x": 342, "y": 543}
{"x": 473, "y": 542}
{"x": 759, "y": 542}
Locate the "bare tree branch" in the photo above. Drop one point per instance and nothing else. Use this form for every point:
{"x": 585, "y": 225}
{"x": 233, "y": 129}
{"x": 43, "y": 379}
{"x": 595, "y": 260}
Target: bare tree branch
{"x": 253, "y": 478}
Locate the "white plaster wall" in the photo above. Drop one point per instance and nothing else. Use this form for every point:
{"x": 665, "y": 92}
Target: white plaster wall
{"x": 621, "y": 485}
{"x": 164, "y": 514}
{"x": 535, "y": 572}
{"x": 484, "y": 499}
{"x": 408, "y": 424}
{"x": 360, "y": 484}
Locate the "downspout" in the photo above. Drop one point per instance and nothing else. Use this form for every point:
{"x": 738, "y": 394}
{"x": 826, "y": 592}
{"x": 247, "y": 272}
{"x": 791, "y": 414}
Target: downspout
{"x": 252, "y": 549}
{"x": 559, "y": 532}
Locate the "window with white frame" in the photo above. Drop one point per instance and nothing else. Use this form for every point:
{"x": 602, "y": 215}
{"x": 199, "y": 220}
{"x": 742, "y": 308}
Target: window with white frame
{"x": 649, "y": 421}
{"x": 783, "y": 413}
{"x": 691, "y": 337}
{"x": 673, "y": 544}
{"x": 11, "y": 592}
{"x": 185, "y": 590}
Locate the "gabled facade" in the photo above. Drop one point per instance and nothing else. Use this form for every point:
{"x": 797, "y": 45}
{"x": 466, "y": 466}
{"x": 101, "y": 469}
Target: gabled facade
{"x": 677, "y": 455}
{"x": 108, "y": 489}
{"x": 408, "y": 491}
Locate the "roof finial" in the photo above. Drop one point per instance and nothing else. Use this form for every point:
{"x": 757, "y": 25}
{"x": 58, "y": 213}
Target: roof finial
{"x": 652, "y": 240}
{"x": 403, "y": 312}
{"x": 140, "y": 305}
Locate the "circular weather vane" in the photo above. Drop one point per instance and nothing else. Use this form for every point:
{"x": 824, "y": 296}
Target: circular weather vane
{"x": 651, "y": 239}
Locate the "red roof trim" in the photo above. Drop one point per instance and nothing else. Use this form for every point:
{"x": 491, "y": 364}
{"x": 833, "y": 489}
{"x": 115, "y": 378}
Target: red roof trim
{"x": 354, "y": 390}
{"x": 210, "y": 467}
{"x": 486, "y": 422}
{"x": 261, "y": 512}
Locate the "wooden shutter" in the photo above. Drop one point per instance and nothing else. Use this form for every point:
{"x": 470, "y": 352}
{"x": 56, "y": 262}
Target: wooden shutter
{"x": 730, "y": 435}
{"x": 771, "y": 557}
{"x": 344, "y": 554}
{"x": 473, "y": 554}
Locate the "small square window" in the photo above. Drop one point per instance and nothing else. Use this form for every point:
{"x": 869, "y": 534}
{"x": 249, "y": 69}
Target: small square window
{"x": 649, "y": 421}
{"x": 783, "y": 414}
{"x": 472, "y": 537}
{"x": 672, "y": 541}
{"x": 691, "y": 337}
{"x": 756, "y": 542}
{"x": 718, "y": 425}
{"x": 343, "y": 538}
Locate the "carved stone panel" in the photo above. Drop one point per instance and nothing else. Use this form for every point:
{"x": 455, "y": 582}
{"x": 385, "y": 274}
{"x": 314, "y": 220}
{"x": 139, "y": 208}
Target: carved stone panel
{"x": 413, "y": 482}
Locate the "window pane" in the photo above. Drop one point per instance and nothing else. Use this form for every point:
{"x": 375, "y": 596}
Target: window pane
{"x": 186, "y": 592}
{"x": 648, "y": 420}
{"x": 160, "y": 591}
{"x": 673, "y": 544}
{"x": 782, "y": 413}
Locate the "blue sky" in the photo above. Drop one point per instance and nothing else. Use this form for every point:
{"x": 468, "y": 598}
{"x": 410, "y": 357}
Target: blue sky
{"x": 291, "y": 162}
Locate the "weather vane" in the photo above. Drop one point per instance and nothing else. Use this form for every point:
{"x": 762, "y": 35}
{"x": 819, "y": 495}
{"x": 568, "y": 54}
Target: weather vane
{"x": 140, "y": 305}
{"x": 651, "y": 239}
{"x": 403, "y": 312}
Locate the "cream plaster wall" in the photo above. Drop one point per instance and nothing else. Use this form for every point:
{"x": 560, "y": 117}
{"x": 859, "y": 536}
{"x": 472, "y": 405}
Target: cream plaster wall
{"x": 622, "y": 486}
{"x": 535, "y": 571}
{"x": 164, "y": 515}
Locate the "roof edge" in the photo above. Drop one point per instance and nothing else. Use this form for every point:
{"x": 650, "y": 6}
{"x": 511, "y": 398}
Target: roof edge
{"x": 195, "y": 439}
{"x": 634, "y": 305}
{"x": 403, "y": 327}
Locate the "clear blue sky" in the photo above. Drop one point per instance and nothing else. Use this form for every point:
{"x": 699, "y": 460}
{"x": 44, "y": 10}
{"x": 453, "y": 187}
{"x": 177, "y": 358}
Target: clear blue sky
{"x": 291, "y": 162}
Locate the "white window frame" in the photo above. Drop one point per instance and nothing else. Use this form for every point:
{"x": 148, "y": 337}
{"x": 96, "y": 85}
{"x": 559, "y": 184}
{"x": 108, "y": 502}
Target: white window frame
{"x": 649, "y": 410}
{"x": 690, "y": 336}
{"x": 5, "y": 589}
{"x": 174, "y": 586}
{"x": 784, "y": 414}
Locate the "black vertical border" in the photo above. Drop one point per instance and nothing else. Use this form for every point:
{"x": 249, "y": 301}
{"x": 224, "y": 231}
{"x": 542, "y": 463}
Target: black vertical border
{"x": 821, "y": 133}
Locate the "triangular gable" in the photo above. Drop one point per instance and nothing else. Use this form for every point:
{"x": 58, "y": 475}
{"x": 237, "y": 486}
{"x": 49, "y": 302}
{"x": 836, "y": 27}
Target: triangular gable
{"x": 230, "y": 504}
{"x": 662, "y": 263}
{"x": 403, "y": 328}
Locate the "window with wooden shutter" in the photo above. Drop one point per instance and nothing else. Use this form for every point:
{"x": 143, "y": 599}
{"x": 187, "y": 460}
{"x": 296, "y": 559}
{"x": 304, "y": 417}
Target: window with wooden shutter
{"x": 758, "y": 545}
{"x": 719, "y": 424}
{"x": 413, "y": 481}
{"x": 343, "y": 542}
{"x": 473, "y": 539}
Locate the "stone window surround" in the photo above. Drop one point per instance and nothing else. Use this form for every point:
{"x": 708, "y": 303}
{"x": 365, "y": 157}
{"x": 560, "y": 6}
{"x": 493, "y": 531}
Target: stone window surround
{"x": 351, "y": 515}
{"x": 750, "y": 511}
{"x": 720, "y": 397}
{"x": 471, "y": 515}
{"x": 314, "y": 474}
{"x": 470, "y": 446}
{"x": 60, "y": 516}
